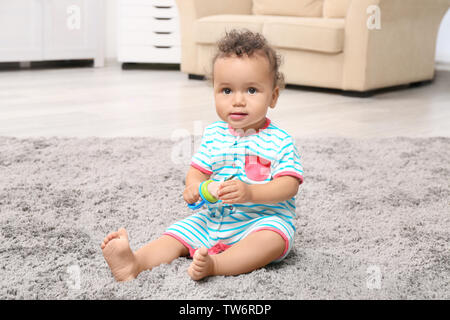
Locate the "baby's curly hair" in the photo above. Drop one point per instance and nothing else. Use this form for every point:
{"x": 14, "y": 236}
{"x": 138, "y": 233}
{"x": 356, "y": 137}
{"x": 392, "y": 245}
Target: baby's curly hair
{"x": 245, "y": 42}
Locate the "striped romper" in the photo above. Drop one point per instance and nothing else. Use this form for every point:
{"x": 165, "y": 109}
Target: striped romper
{"x": 255, "y": 159}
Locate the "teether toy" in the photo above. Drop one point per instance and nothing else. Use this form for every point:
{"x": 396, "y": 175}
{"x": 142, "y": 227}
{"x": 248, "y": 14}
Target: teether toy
{"x": 206, "y": 196}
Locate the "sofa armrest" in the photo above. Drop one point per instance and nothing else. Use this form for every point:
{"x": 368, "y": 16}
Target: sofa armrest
{"x": 401, "y": 51}
{"x": 190, "y": 11}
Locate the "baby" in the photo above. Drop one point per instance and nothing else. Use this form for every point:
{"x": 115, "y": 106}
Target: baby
{"x": 252, "y": 223}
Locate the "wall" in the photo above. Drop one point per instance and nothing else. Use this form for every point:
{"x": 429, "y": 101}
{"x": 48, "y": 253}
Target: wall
{"x": 443, "y": 42}
{"x": 111, "y": 29}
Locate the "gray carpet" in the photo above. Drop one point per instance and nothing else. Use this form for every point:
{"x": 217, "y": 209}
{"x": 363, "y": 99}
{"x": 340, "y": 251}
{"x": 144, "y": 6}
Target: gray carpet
{"x": 373, "y": 221}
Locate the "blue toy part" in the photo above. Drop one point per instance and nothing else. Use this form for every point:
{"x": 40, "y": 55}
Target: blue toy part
{"x": 204, "y": 200}
{"x": 195, "y": 206}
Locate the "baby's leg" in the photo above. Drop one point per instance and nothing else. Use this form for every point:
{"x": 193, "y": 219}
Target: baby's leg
{"x": 163, "y": 250}
{"x": 253, "y": 252}
{"x": 126, "y": 265}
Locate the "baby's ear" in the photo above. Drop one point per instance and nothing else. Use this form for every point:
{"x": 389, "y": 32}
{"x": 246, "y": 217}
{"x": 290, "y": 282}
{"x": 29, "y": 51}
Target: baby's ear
{"x": 275, "y": 95}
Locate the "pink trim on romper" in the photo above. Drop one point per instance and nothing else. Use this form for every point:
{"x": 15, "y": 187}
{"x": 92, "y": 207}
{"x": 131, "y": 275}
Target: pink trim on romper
{"x": 217, "y": 248}
{"x": 220, "y": 247}
{"x": 196, "y": 166}
{"x": 237, "y": 133}
{"x": 289, "y": 173}
{"x": 286, "y": 240}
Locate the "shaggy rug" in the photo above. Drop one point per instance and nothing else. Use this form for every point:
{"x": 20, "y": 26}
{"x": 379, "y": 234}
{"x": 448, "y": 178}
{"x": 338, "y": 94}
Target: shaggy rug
{"x": 372, "y": 221}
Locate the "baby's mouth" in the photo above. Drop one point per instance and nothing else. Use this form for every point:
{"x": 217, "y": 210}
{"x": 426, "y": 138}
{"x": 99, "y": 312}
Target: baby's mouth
{"x": 238, "y": 115}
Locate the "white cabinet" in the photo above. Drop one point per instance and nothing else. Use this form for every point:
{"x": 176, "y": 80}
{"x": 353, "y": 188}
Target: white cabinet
{"x": 35, "y": 30}
{"x": 70, "y": 29}
{"x": 21, "y": 30}
{"x": 148, "y": 31}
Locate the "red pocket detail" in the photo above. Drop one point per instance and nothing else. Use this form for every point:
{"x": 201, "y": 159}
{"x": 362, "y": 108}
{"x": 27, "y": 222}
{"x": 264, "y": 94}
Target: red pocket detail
{"x": 257, "y": 168}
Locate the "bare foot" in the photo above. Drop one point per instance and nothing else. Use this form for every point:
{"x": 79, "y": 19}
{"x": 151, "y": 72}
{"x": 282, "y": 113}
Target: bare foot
{"x": 118, "y": 255}
{"x": 203, "y": 264}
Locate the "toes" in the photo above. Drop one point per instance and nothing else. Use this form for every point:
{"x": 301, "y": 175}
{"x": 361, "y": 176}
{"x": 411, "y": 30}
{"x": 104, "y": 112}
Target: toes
{"x": 114, "y": 235}
{"x": 195, "y": 275}
{"x": 197, "y": 268}
{"x": 111, "y": 236}
{"x": 122, "y": 233}
{"x": 200, "y": 264}
{"x": 203, "y": 251}
{"x": 198, "y": 259}
{"x": 201, "y": 254}
{"x": 105, "y": 242}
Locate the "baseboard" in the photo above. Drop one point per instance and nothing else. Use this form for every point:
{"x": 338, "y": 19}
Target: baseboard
{"x": 45, "y": 64}
{"x": 150, "y": 66}
{"x": 195, "y": 77}
{"x": 442, "y": 65}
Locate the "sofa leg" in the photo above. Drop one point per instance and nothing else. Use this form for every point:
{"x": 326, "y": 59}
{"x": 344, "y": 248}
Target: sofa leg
{"x": 420, "y": 83}
{"x": 358, "y": 94}
{"x": 195, "y": 77}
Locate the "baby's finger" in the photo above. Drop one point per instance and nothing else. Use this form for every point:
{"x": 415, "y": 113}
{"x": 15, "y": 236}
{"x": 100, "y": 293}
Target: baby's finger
{"x": 227, "y": 190}
{"x": 229, "y": 196}
{"x": 230, "y": 201}
{"x": 192, "y": 198}
{"x": 227, "y": 183}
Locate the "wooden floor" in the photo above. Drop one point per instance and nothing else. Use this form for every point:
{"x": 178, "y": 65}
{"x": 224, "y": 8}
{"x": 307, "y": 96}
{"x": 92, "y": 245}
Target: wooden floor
{"x": 110, "y": 102}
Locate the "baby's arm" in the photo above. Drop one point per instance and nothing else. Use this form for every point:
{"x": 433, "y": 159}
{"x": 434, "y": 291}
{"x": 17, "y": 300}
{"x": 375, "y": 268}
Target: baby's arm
{"x": 277, "y": 190}
{"x": 195, "y": 176}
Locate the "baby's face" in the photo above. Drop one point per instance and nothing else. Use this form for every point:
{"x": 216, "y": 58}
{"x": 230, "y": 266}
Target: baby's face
{"x": 243, "y": 90}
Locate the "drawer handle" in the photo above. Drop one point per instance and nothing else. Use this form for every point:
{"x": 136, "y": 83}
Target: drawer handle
{"x": 163, "y": 47}
{"x": 162, "y": 32}
{"x": 163, "y": 7}
{"x": 161, "y": 18}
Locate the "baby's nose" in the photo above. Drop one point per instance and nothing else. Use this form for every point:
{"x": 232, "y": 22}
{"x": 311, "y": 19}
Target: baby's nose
{"x": 239, "y": 99}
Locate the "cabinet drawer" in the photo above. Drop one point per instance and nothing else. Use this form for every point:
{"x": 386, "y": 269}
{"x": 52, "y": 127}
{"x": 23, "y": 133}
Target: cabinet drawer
{"x": 149, "y": 24}
{"x": 148, "y": 11}
{"x": 148, "y": 38}
{"x": 150, "y": 54}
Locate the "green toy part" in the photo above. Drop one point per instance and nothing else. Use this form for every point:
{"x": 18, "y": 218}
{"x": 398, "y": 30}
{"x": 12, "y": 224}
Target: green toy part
{"x": 205, "y": 192}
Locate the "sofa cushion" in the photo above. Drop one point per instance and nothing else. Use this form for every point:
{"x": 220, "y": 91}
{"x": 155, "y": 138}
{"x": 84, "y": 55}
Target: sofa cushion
{"x": 210, "y": 29}
{"x": 299, "y": 8}
{"x": 335, "y": 8}
{"x": 315, "y": 34}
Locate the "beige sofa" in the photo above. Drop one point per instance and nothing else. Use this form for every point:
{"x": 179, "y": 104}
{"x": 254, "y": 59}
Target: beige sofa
{"x": 324, "y": 43}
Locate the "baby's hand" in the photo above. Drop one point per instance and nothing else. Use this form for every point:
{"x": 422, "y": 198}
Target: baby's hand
{"x": 213, "y": 188}
{"x": 234, "y": 191}
{"x": 191, "y": 194}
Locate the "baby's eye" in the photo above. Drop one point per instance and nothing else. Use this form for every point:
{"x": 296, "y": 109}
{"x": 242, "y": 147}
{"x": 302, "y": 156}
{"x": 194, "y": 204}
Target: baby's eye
{"x": 252, "y": 90}
{"x": 226, "y": 90}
